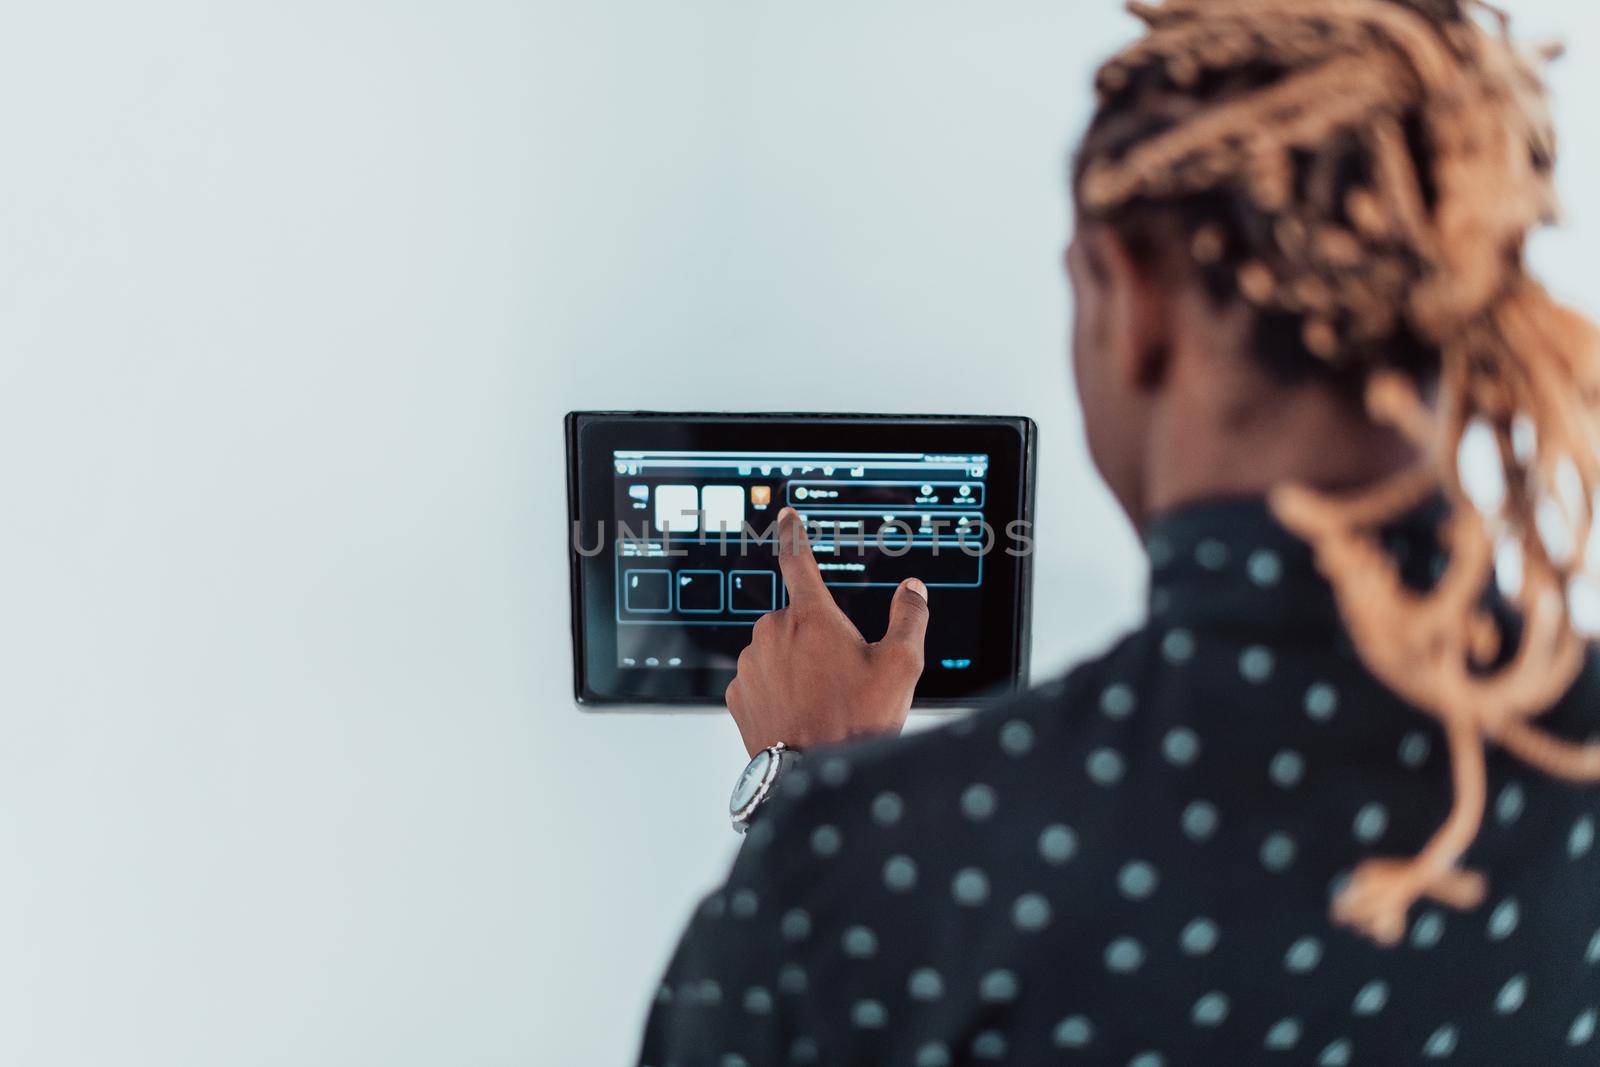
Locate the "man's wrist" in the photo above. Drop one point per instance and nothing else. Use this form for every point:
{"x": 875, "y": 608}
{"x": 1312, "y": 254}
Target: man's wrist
{"x": 758, "y": 781}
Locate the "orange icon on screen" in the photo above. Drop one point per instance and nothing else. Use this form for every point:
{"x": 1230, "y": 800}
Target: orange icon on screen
{"x": 760, "y": 496}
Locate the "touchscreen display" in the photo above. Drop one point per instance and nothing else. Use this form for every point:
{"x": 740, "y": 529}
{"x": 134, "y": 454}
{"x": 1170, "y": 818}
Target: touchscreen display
{"x": 676, "y": 547}
{"x": 695, "y": 567}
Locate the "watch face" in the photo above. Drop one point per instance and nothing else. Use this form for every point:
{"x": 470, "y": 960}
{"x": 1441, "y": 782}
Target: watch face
{"x": 744, "y": 790}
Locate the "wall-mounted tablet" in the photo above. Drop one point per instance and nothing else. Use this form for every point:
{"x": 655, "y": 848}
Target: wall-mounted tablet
{"x": 674, "y": 554}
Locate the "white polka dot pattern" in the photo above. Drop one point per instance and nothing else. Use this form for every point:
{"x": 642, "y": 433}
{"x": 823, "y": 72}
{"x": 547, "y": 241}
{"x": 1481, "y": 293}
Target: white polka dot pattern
{"x": 1264, "y": 567}
{"x": 792, "y": 979}
{"x": 1427, "y": 931}
{"x": 1255, "y": 664}
{"x": 970, "y": 887}
{"x": 1372, "y": 998}
{"x": 1073, "y": 1032}
{"x": 1199, "y": 937}
{"x": 1512, "y": 995}
{"x": 1117, "y": 701}
{"x": 1287, "y": 768}
{"x": 1016, "y": 738}
{"x": 1441, "y": 1043}
{"x": 1277, "y": 852}
{"x": 1177, "y": 646}
{"x": 1284, "y": 1035}
{"x": 926, "y": 984}
{"x": 860, "y": 942}
{"x": 1303, "y": 956}
{"x": 1105, "y": 766}
{"x": 1181, "y": 746}
{"x": 1414, "y": 749}
{"x": 978, "y": 803}
{"x": 869, "y": 1015}
{"x": 1337, "y": 1053}
{"x": 887, "y": 808}
{"x": 1509, "y": 804}
{"x": 796, "y": 925}
{"x": 900, "y": 874}
{"x": 1124, "y": 955}
{"x": 1211, "y": 554}
{"x": 1137, "y": 880}
{"x": 998, "y": 987}
{"x": 1581, "y": 839}
{"x": 1134, "y": 866}
{"x": 826, "y": 840}
{"x": 989, "y": 1045}
{"x": 1210, "y": 1010}
{"x": 1057, "y": 844}
{"x": 1371, "y": 821}
{"x": 1200, "y": 820}
{"x": 834, "y": 772}
{"x": 1503, "y": 920}
{"x": 1583, "y": 1027}
{"x": 1321, "y": 701}
{"x": 1031, "y": 912}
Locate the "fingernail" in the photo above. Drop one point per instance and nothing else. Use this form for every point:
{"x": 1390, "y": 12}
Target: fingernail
{"x": 916, "y": 586}
{"x": 786, "y": 512}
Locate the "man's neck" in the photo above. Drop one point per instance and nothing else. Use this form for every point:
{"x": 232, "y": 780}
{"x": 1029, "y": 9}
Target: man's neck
{"x": 1303, "y": 435}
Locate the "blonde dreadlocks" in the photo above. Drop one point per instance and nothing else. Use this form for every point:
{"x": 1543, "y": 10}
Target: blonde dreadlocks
{"x": 1365, "y": 173}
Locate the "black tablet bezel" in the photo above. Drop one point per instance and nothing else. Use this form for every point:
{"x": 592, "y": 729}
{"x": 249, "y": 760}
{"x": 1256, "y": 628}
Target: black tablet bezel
{"x": 1010, "y": 442}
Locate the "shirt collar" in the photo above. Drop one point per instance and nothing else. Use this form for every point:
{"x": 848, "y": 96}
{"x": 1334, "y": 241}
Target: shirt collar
{"x": 1230, "y": 560}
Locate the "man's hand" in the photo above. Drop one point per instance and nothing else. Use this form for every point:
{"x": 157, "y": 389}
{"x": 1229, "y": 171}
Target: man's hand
{"x": 808, "y": 677}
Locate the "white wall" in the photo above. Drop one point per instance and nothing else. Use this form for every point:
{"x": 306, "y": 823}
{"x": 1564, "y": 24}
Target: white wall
{"x": 292, "y": 299}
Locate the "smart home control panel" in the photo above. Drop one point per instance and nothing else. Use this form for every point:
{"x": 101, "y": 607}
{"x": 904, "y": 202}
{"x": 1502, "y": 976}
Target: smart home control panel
{"x": 672, "y": 527}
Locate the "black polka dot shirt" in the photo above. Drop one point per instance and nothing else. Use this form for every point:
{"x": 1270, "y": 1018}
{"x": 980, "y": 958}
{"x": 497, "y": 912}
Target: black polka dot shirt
{"x": 1133, "y": 865}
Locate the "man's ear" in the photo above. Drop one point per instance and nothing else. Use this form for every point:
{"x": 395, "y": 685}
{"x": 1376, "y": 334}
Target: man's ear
{"x": 1137, "y": 310}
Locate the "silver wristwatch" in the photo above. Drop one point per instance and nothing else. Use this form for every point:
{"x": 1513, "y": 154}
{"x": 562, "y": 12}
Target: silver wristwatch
{"x": 755, "y": 785}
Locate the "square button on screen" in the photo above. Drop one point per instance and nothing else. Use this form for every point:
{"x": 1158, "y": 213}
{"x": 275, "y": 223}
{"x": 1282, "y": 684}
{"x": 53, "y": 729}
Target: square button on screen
{"x": 753, "y": 592}
{"x": 647, "y": 590}
{"x": 699, "y": 591}
{"x": 677, "y": 508}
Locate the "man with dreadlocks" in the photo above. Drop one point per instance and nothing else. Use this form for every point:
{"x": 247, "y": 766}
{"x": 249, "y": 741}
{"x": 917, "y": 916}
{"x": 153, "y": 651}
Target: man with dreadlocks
{"x": 1327, "y": 805}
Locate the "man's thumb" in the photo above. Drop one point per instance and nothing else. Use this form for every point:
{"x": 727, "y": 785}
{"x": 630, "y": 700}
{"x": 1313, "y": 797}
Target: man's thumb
{"x": 908, "y": 614}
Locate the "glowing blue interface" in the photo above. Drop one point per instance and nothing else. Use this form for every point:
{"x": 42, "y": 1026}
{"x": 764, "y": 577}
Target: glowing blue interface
{"x": 695, "y": 542}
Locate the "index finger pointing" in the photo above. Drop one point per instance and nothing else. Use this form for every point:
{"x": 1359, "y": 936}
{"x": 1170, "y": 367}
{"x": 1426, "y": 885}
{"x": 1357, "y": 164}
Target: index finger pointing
{"x": 799, "y": 566}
